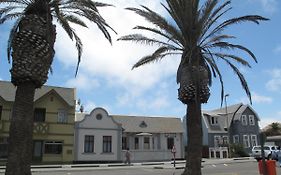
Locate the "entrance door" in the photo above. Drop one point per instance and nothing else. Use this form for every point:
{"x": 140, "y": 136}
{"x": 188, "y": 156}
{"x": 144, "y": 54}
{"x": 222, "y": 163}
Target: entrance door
{"x": 37, "y": 150}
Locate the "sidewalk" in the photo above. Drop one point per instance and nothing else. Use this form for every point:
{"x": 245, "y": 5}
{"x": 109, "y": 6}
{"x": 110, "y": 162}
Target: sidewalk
{"x": 156, "y": 165}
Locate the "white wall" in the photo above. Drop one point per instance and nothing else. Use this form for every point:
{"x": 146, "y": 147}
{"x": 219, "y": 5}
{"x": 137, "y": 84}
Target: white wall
{"x": 98, "y": 128}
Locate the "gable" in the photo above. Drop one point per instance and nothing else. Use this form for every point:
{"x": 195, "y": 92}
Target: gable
{"x": 8, "y": 91}
{"x": 51, "y": 100}
{"x": 97, "y": 119}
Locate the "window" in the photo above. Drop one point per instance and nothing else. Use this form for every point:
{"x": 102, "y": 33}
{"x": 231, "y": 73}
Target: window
{"x": 39, "y": 114}
{"x": 107, "y": 140}
{"x": 224, "y": 140}
{"x": 246, "y": 141}
{"x": 236, "y": 139}
{"x": 214, "y": 120}
{"x": 3, "y": 147}
{"x": 254, "y": 140}
{"x": 124, "y": 143}
{"x": 136, "y": 143}
{"x": 244, "y": 120}
{"x": 170, "y": 142}
{"x": 89, "y": 144}
{"x": 0, "y": 112}
{"x": 252, "y": 119}
{"x": 62, "y": 116}
{"x": 217, "y": 141}
{"x": 146, "y": 143}
{"x": 53, "y": 147}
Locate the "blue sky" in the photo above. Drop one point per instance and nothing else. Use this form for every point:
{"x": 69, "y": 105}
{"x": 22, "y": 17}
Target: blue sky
{"x": 105, "y": 78}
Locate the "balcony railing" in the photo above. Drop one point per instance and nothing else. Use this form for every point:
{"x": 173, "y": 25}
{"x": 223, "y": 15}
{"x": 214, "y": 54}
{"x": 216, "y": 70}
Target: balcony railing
{"x": 40, "y": 128}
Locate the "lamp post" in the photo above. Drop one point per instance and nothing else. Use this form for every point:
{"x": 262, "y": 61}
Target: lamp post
{"x": 227, "y": 127}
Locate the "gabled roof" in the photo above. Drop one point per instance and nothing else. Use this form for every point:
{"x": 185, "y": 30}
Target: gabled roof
{"x": 144, "y": 124}
{"x": 232, "y": 112}
{"x": 8, "y": 91}
{"x": 149, "y": 124}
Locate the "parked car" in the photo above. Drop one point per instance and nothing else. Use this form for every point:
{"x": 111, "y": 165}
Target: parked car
{"x": 269, "y": 152}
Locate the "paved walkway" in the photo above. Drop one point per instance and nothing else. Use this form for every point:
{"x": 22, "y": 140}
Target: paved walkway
{"x": 156, "y": 165}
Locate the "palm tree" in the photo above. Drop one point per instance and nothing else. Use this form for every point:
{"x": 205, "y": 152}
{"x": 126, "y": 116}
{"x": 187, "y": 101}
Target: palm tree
{"x": 196, "y": 34}
{"x": 31, "y": 45}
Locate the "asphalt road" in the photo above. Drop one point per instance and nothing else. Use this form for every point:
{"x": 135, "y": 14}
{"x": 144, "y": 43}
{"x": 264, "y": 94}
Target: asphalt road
{"x": 241, "y": 168}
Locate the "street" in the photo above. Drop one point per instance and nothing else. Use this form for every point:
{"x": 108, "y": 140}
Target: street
{"x": 240, "y": 168}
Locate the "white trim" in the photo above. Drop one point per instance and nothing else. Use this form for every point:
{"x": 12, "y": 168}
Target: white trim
{"x": 236, "y": 139}
{"x": 252, "y": 120}
{"x": 254, "y": 140}
{"x": 244, "y": 120}
{"x": 246, "y": 141}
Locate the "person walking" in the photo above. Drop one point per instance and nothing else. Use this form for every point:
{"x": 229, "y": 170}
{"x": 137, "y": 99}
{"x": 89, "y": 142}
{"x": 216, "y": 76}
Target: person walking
{"x": 128, "y": 157}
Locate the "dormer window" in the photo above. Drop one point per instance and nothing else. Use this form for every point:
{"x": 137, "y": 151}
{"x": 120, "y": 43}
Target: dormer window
{"x": 214, "y": 120}
{"x": 143, "y": 124}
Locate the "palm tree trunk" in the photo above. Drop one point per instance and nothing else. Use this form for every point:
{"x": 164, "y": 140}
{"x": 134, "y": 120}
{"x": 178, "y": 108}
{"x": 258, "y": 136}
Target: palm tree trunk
{"x": 21, "y": 129}
{"x": 194, "y": 142}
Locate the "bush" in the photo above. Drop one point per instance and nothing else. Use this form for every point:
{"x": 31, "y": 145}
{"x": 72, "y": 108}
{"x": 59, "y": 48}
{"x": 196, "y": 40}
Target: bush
{"x": 237, "y": 150}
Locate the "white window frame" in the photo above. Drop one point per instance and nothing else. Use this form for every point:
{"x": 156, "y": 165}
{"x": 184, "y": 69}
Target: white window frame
{"x": 217, "y": 140}
{"x": 214, "y": 120}
{"x": 62, "y": 116}
{"x": 89, "y": 146}
{"x": 254, "y": 140}
{"x": 252, "y": 120}
{"x": 225, "y": 140}
{"x": 146, "y": 145}
{"x": 246, "y": 141}
{"x": 244, "y": 120}
{"x": 236, "y": 139}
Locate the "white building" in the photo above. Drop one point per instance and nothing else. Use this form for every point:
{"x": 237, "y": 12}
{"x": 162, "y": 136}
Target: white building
{"x": 103, "y": 137}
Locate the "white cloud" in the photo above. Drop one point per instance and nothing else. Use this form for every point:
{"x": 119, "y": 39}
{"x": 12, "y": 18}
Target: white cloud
{"x": 83, "y": 82}
{"x": 114, "y": 63}
{"x": 257, "y": 98}
{"x": 268, "y": 120}
{"x": 260, "y": 98}
{"x": 269, "y": 6}
{"x": 274, "y": 84}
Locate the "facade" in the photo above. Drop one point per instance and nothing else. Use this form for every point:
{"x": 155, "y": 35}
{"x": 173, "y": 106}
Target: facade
{"x": 235, "y": 124}
{"x": 103, "y": 137}
{"x": 53, "y": 133}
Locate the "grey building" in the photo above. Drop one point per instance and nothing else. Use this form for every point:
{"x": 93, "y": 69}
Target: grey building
{"x": 235, "y": 124}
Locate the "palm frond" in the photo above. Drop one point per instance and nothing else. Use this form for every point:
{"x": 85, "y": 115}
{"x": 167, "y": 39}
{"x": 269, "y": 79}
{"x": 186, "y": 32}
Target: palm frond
{"x": 156, "y": 56}
{"x": 227, "y": 45}
{"x": 248, "y": 18}
{"x": 75, "y": 20}
{"x": 11, "y": 16}
{"x": 212, "y": 63}
{"x": 216, "y": 39}
{"x": 139, "y": 38}
{"x": 242, "y": 79}
{"x": 216, "y": 14}
{"x": 159, "y": 32}
{"x": 233, "y": 57}
{"x": 158, "y": 21}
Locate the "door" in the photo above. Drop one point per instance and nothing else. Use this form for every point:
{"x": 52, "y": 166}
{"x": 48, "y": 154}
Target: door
{"x": 37, "y": 150}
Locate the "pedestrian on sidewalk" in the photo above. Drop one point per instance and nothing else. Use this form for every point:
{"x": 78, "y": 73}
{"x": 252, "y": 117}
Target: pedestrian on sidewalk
{"x": 128, "y": 157}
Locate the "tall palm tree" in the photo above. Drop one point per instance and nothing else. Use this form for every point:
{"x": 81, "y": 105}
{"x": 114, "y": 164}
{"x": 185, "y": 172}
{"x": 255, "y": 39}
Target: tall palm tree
{"x": 195, "y": 34}
{"x": 31, "y": 45}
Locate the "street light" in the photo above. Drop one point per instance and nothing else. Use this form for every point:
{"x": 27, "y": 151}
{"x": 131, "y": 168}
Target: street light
{"x": 227, "y": 127}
